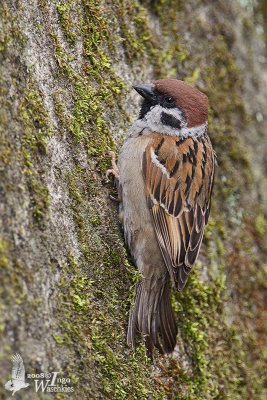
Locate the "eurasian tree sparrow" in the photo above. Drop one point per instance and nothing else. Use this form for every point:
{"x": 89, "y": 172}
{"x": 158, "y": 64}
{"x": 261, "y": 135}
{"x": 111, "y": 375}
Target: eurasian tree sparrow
{"x": 165, "y": 172}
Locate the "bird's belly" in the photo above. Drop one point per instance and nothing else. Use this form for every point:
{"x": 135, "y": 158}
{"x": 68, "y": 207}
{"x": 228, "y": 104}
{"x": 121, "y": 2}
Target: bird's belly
{"x": 137, "y": 222}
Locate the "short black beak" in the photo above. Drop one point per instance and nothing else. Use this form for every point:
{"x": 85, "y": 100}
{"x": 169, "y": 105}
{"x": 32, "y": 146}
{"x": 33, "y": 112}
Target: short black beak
{"x": 146, "y": 91}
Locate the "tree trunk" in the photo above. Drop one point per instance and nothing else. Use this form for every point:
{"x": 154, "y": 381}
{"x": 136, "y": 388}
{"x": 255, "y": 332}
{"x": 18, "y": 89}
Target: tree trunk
{"x": 67, "y": 281}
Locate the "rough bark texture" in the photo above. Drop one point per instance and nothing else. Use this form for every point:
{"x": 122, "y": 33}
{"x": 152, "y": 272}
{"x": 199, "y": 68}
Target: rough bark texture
{"x": 66, "y": 279}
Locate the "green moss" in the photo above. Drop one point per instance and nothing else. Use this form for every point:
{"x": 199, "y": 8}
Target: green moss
{"x": 60, "y": 108}
{"x": 12, "y": 289}
{"x": 98, "y": 87}
{"x": 39, "y": 198}
{"x": 68, "y": 26}
{"x": 217, "y": 365}
{"x": 4, "y": 252}
{"x": 92, "y": 320}
{"x": 24, "y": 128}
{"x": 261, "y": 225}
{"x": 36, "y": 130}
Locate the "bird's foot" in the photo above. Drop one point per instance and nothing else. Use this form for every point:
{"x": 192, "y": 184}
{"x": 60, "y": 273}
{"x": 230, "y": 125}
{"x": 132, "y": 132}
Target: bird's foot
{"x": 114, "y": 170}
{"x": 116, "y": 199}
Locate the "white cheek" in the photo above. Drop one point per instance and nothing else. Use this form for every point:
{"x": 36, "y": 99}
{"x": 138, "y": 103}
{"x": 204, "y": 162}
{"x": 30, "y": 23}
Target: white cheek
{"x": 152, "y": 123}
{"x": 153, "y": 120}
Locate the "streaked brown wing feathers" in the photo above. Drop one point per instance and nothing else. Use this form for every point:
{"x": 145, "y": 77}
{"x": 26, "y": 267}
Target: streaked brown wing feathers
{"x": 178, "y": 179}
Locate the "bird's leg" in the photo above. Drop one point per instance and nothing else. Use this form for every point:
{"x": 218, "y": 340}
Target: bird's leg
{"x": 115, "y": 171}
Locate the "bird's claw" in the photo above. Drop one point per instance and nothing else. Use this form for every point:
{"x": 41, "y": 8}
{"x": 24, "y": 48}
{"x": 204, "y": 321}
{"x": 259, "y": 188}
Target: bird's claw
{"x": 116, "y": 199}
{"x": 114, "y": 170}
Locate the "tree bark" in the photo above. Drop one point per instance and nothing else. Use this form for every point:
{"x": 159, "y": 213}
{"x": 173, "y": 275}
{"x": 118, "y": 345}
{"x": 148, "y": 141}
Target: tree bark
{"x": 67, "y": 280}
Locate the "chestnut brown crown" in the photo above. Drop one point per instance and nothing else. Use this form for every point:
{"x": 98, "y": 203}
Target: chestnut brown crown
{"x": 193, "y": 102}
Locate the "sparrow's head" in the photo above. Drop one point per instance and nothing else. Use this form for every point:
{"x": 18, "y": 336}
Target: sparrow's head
{"x": 173, "y": 107}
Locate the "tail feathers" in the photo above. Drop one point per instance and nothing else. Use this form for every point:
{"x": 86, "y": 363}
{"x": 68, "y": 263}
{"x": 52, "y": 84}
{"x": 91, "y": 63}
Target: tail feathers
{"x": 182, "y": 276}
{"x": 153, "y": 316}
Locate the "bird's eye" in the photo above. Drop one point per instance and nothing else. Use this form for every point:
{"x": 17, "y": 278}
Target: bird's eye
{"x": 169, "y": 101}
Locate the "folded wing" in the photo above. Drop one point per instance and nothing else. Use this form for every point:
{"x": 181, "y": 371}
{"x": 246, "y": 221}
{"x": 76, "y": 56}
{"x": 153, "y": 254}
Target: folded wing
{"x": 178, "y": 174}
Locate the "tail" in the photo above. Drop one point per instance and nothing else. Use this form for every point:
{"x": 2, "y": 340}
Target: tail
{"x": 153, "y": 316}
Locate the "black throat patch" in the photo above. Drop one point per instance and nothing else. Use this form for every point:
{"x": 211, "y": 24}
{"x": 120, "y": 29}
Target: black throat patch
{"x": 170, "y": 120}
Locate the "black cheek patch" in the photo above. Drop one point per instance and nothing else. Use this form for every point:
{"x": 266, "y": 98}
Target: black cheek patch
{"x": 170, "y": 120}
